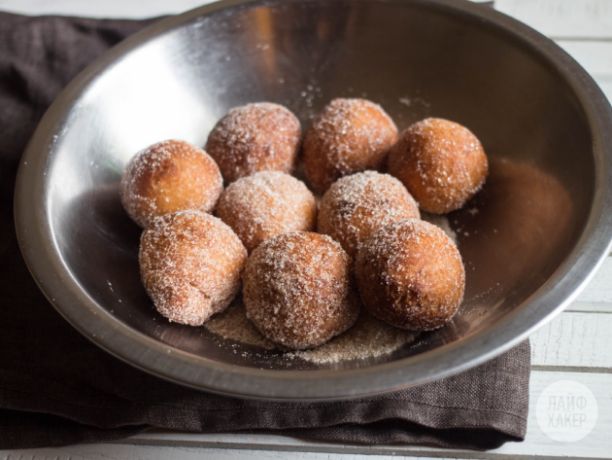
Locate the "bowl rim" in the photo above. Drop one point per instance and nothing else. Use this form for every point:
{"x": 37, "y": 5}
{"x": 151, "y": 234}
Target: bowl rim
{"x": 45, "y": 263}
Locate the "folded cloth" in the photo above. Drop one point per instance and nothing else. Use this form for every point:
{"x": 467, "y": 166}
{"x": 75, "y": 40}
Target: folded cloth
{"x": 58, "y": 388}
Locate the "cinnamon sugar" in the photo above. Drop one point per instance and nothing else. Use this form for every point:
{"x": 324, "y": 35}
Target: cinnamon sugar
{"x": 357, "y": 205}
{"x": 350, "y": 135}
{"x": 234, "y": 325}
{"x": 297, "y": 289}
{"x": 255, "y": 137}
{"x": 190, "y": 263}
{"x": 411, "y": 274}
{"x": 265, "y": 204}
{"x": 169, "y": 176}
{"x": 442, "y": 164}
{"x": 441, "y": 221}
{"x": 368, "y": 338}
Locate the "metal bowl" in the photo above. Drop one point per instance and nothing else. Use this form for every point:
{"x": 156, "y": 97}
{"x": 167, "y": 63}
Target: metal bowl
{"x": 530, "y": 241}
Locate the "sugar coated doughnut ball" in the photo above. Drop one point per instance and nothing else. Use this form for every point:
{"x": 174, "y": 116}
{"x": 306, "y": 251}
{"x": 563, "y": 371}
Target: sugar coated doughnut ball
{"x": 167, "y": 177}
{"x": 190, "y": 264}
{"x": 350, "y": 135}
{"x": 441, "y": 163}
{"x": 356, "y": 206}
{"x": 297, "y": 289}
{"x": 255, "y": 137}
{"x": 265, "y": 204}
{"x": 410, "y": 274}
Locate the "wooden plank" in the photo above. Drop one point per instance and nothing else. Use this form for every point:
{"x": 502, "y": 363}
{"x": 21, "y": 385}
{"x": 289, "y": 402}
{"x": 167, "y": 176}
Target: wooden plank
{"x": 594, "y": 56}
{"x": 605, "y": 83}
{"x": 597, "y": 296}
{"x": 563, "y": 18}
{"x": 537, "y": 444}
{"x": 574, "y": 340}
{"x": 139, "y": 452}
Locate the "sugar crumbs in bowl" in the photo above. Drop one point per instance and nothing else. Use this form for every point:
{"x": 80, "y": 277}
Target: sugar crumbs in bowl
{"x": 368, "y": 338}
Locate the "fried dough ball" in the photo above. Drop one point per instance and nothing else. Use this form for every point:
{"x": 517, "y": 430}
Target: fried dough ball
{"x": 356, "y": 206}
{"x": 441, "y": 163}
{"x": 255, "y": 137}
{"x": 167, "y": 177}
{"x": 190, "y": 264}
{"x": 265, "y": 204}
{"x": 349, "y": 136}
{"x": 298, "y": 290}
{"x": 410, "y": 274}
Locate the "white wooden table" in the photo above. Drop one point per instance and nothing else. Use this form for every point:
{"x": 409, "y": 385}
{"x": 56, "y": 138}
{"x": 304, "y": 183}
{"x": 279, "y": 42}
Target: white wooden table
{"x": 574, "y": 346}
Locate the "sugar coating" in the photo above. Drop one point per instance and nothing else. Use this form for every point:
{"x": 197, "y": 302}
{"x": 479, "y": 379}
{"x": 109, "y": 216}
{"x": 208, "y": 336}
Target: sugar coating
{"x": 441, "y": 163}
{"x": 190, "y": 264}
{"x": 441, "y": 221}
{"x": 350, "y": 135}
{"x": 255, "y": 137}
{"x": 298, "y": 290}
{"x": 410, "y": 274}
{"x": 266, "y": 204}
{"x": 167, "y": 177}
{"x": 355, "y": 206}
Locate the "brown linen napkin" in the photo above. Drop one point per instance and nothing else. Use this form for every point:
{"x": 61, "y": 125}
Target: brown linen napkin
{"x": 58, "y": 388}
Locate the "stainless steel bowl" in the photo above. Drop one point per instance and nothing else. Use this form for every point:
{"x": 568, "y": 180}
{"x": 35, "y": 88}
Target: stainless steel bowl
{"x": 541, "y": 228}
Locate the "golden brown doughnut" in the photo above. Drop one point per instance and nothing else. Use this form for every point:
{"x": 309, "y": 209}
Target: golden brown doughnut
{"x": 298, "y": 290}
{"x": 255, "y": 137}
{"x": 410, "y": 274}
{"x": 167, "y": 177}
{"x": 265, "y": 204}
{"x": 349, "y": 136}
{"x": 190, "y": 264}
{"x": 356, "y": 206}
{"x": 441, "y": 163}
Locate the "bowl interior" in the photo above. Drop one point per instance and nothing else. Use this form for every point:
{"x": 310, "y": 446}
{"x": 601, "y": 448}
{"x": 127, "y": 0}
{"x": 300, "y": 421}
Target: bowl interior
{"x": 416, "y": 59}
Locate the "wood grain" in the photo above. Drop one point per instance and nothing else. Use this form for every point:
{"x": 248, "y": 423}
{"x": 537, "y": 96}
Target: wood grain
{"x": 597, "y": 296}
{"x": 594, "y": 56}
{"x": 123, "y": 452}
{"x": 574, "y": 340}
{"x": 606, "y": 86}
